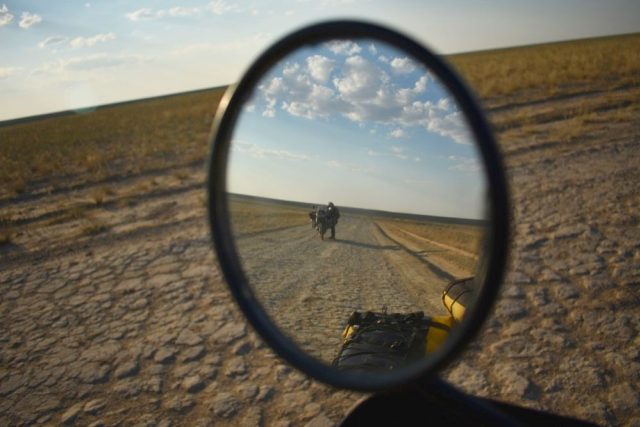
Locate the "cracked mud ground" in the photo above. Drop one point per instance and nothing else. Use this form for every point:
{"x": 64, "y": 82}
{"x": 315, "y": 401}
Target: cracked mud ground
{"x": 121, "y": 316}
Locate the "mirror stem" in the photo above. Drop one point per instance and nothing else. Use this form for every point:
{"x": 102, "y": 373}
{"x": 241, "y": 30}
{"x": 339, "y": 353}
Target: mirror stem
{"x": 472, "y": 409}
{"x": 482, "y": 411}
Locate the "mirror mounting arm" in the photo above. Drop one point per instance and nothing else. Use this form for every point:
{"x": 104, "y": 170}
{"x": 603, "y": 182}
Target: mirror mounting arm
{"x": 431, "y": 402}
{"x": 474, "y": 410}
{"x": 435, "y": 402}
{"x": 493, "y": 411}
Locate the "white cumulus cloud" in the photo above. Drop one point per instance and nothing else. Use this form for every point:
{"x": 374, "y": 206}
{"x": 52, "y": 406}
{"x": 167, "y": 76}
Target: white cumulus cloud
{"x": 360, "y": 80}
{"x": 299, "y": 94}
{"x": 148, "y": 14}
{"x": 397, "y": 133}
{"x": 270, "y": 109}
{"x": 344, "y": 47}
{"x": 5, "y": 16}
{"x": 291, "y": 69}
{"x": 220, "y": 7}
{"x": 27, "y": 20}
{"x": 360, "y": 90}
{"x": 406, "y": 95}
{"x": 80, "y": 42}
{"x": 143, "y": 14}
{"x": 421, "y": 84}
{"x": 403, "y": 65}
{"x": 52, "y": 41}
{"x": 320, "y": 67}
{"x": 314, "y": 105}
{"x": 437, "y": 119}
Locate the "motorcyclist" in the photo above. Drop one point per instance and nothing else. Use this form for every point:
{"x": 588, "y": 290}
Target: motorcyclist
{"x": 333, "y": 214}
{"x": 312, "y": 216}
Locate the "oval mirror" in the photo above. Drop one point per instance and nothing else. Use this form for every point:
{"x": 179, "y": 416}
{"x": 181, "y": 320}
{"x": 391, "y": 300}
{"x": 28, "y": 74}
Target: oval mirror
{"x": 355, "y": 200}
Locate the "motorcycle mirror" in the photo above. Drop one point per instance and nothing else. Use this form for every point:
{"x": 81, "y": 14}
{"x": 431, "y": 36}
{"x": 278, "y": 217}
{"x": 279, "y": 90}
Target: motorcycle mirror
{"x": 364, "y": 117}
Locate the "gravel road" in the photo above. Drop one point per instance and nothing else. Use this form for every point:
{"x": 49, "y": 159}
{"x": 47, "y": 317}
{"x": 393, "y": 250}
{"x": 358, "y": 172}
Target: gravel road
{"x": 310, "y": 286}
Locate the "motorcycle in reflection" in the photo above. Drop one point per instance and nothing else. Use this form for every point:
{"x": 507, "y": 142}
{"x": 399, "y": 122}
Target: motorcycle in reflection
{"x": 323, "y": 220}
{"x": 381, "y": 341}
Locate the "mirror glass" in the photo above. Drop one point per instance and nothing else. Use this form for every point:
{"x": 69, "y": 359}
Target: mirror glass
{"x": 357, "y": 197}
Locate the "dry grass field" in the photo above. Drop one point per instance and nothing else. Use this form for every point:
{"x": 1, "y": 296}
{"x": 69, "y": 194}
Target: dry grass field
{"x": 249, "y": 216}
{"x": 110, "y": 142}
{"x": 466, "y": 238}
{"x": 455, "y": 248}
{"x": 551, "y": 70}
{"x": 114, "y": 310}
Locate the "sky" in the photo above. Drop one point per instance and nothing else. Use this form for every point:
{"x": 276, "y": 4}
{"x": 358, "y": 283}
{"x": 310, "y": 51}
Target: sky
{"x": 71, "y": 54}
{"x": 361, "y": 124}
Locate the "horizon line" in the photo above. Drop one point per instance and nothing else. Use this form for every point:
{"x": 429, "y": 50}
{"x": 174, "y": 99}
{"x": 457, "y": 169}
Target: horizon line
{"x": 438, "y": 218}
{"x": 92, "y": 108}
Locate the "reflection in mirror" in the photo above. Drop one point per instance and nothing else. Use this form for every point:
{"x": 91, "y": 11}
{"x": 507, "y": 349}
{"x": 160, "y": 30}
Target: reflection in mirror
{"x": 357, "y": 197}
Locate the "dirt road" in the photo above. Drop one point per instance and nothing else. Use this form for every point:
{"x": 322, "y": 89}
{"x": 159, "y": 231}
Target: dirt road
{"x": 310, "y": 286}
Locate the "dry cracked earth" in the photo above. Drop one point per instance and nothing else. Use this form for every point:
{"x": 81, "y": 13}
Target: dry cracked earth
{"x": 114, "y": 312}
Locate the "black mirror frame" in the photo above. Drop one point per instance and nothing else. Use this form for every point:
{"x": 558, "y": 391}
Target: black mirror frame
{"x": 496, "y": 243}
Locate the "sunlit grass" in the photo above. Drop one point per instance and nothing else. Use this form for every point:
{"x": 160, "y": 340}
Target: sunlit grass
{"x": 553, "y": 69}
{"x": 114, "y": 140}
{"x": 99, "y": 195}
{"x": 460, "y": 236}
{"x": 160, "y": 133}
{"x": 93, "y": 226}
{"x": 6, "y": 236}
{"x": 254, "y": 216}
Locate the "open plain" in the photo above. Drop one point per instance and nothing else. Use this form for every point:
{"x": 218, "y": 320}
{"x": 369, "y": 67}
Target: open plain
{"x": 114, "y": 312}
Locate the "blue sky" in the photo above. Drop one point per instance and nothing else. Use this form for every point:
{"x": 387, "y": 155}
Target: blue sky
{"x": 71, "y": 54}
{"x": 361, "y": 124}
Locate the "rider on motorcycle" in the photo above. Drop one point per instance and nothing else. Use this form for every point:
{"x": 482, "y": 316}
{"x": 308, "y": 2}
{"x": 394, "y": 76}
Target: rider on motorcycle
{"x": 313, "y": 217}
{"x": 333, "y": 214}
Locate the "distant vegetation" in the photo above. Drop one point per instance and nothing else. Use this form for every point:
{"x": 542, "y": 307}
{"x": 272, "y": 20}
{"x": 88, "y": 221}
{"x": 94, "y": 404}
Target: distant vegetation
{"x": 256, "y": 215}
{"x": 553, "y": 69}
{"x": 110, "y": 141}
{"x": 170, "y": 131}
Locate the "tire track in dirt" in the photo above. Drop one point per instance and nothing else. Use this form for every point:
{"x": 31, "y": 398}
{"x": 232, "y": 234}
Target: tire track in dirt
{"x": 555, "y": 100}
{"x": 437, "y": 271}
{"x": 439, "y": 244}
